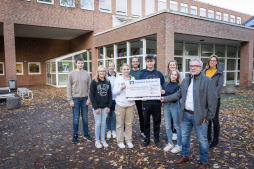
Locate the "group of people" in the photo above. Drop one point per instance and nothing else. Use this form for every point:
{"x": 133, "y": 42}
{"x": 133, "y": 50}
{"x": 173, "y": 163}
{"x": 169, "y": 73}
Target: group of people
{"x": 193, "y": 101}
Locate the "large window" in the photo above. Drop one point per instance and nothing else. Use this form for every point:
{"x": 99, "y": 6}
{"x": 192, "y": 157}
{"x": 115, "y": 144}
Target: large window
{"x": 203, "y": 12}
{"x": 218, "y": 15}
{"x": 162, "y": 4}
{"x": 87, "y": 4}
{"x": 232, "y": 18}
{"x": 239, "y": 20}
{"x": 210, "y": 14}
{"x": 46, "y": 1}
{"x": 149, "y": 7}
{"x": 184, "y": 8}
{"x": 19, "y": 68}
{"x": 105, "y": 5}
{"x": 191, "y": 49}
{"x": 173, "y": 5}
{"x": 136, "y": 8}
{"x": 121, "y": 7}
{"x": 193, "y": 10}
{"x": 34, "y": 68}
{"x": 225, "y": 17}
{"x": 68, "y": 3}
{"x": 1, "y": 68}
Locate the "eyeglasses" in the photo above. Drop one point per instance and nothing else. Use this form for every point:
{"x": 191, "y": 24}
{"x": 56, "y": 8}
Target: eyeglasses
{"x": 194, "y": 66}
{"x": 213, "y": 60}
{"x": 102, "y": 71}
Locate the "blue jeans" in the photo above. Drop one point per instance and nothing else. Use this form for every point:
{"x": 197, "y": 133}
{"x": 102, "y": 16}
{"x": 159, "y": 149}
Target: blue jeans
{"x": 80, "y": 108}
{"x": 111, "y": 119}
{"x": 100, "y": 123}
{"x": 187, "y": 123}
{"x": 172, "y": 111}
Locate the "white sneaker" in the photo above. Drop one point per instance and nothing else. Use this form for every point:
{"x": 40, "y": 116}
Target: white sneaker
{"x": 104, "y": 143}
{"x": 109, "y": 134}
{"x": 142, "y": 134}
{"x": 113, "y": 133}
{"x": 174, "y": 136}
{"x": 121, "y": 145}
{"x": 130, "y": 145}
{"x": 176, "y": 149}
{"x": 168, "y": 147}
{"x": 98, "y": 144}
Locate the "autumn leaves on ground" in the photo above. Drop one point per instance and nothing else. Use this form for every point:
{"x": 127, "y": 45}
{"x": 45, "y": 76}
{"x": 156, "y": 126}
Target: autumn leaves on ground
{"x": 38, "y": 135}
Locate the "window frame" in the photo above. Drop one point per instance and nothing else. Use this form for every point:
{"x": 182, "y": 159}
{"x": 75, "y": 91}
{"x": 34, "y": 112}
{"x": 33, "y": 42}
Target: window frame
{"x": 122, "y": 12}
{"x": 184, "y": 6}
{"x": 52, "y": 3}
{"x": 162, "y": 2}
{"x": 73, "y": 5}
{"x": 202, "y": 10}
{"x": 232, "y": 17}
{"x": 3, "y": 69}
{"x": 225, "y": 14}
{"x": 210, "y": 12}
{"x": 238, "y": 19}
{"x": 106, "y": 10}
{"x": 218, "y": 14}
{"x": 139, "y": 13}
{"x": 173, "y": 3}
{"x": 29, "y": 73}
{"x": 195, "y": 8}
{"x": 151, "y": 10}
{"x": 22, "y": 66}
{"x": 86, "y": 8}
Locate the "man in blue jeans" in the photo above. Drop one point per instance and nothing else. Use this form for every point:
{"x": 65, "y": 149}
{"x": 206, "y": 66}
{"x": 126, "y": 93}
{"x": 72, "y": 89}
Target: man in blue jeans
{"x": 199, "y": 102}
{"x": 78, "y": 85}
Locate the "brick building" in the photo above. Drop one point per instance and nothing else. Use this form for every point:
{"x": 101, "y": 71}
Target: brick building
{"x": 34, "y": 32}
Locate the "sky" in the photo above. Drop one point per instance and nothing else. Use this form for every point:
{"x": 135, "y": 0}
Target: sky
{"x": 245, "y": 6}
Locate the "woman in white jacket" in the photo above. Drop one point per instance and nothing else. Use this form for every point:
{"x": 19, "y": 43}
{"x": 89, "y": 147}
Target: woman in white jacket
{"x": 124, "y": 108}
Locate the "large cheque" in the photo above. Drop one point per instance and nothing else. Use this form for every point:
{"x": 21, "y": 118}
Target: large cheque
{"x": 149, "y": 89}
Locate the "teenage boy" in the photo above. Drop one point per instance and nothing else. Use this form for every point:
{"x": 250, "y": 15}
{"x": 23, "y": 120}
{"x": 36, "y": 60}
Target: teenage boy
{"x": 135, "y": 72}
{"x": 77, "y": 94}
{"x": 152, "y": 107}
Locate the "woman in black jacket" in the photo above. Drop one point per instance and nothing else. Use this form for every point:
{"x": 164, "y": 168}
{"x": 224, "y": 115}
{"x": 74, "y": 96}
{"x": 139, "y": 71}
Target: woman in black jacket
{"x": 216, "y": 73}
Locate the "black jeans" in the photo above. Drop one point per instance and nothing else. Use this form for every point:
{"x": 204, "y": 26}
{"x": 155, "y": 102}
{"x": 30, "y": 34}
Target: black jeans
{"x": 153, "y": 109}
{"x": 216, "y": 125}
{"x": 140, "y": 115}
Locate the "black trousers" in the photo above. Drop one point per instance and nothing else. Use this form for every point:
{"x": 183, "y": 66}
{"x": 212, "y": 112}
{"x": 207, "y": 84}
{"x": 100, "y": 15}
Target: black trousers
{"x": 140, "y": 115}
{"x": 216, "y": 125}
{"x": 153, "y": 109}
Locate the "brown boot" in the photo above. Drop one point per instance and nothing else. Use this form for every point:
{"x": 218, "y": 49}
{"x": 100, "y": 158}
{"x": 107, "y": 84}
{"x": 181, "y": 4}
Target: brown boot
{"x": 202, "y": 166}
{"x": 182, "y": 160}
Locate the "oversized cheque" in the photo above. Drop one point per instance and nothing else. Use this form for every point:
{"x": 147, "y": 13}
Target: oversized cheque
{"x": 149, "y": 89}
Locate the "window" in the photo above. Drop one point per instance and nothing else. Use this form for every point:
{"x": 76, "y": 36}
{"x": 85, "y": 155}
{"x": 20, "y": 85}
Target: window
{"x": 19, "y": 68}
{"x": 184, "y": 8}
{"x": 232, "y": 18}
{"x": 1, "y": 68}
{"x": 225, "y": 17}
{"x": 218, "y": 15}
{"x": 173, "y": 5}
{"x": 121, "y": 7}
{"x": 68, "y": 3}
{"x": 149, "y": 7}
{"x": 193, "y": 10}
{"x": 162, "y": 4}
{"x": 34, "y": 68}
{"x": 46, "y": 1}
{"x": 136, "y": 8}
{"x": 210, "y": 14}
{"x": 87, "y": 4}
{"x": 105, "y": 5}
{"x": 203, "y": 12}
{"x": 239, "y": 20}
{"x": 191, "y": 49}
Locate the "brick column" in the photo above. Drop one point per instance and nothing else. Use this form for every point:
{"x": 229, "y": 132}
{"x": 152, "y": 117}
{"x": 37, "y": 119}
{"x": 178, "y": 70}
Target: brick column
{"x": 9, "y": 51}
{"x": 246, "y": 64}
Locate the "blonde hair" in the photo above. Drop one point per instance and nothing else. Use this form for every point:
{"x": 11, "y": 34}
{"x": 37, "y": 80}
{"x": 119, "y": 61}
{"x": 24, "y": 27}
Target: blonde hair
{"x": 178, "y": 79}
{"x": 96, "y": 77}
{"x": 168, "y": 70}
{"x": 208, "y": 65}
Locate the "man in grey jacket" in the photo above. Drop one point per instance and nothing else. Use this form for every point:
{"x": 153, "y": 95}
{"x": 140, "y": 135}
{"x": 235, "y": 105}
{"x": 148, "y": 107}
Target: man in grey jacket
{"x": 199, "y": 102}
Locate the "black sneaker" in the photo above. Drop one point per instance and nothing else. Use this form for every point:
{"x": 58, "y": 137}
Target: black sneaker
{"x": 158, "y": 144}
{"x": 214, "y": 143}
{"x": 75, "y": 139}
{"x": 146, "y": 142}
{"x": 88, "y": 137}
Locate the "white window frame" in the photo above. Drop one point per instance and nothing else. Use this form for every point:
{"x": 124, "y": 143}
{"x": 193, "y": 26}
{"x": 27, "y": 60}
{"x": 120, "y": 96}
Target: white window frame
{"x": 184, "y": 6}
{"x": 149, "y": 7}
{"x": 39, "y": 1}
{"x": 136, "y": 8}
{"x": 219, "y": 15}
{"x": 66, "y": 5}
{"x": 34, "y": 63}
{"x": 2, "y": 63}
{"x": 194, "y": 8}
{"x": 173, "y": 4}
{"x": 238, "y": 20}
{"x": 210, "y": 12}
{"x": 232, "y": 17}
{"x": 119, "y": 11}
{"x": 22, "y": 72}
{"x": 162, "y": 4}
{"x": 225, "y": 16}
{"x": 202, "y": 10}
{"x": 104, "y": 9}
{"x": 92, "y": 9}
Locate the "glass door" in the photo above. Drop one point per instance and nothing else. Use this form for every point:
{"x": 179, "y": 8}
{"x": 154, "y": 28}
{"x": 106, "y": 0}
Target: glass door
{"x": 48, "y": 75}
